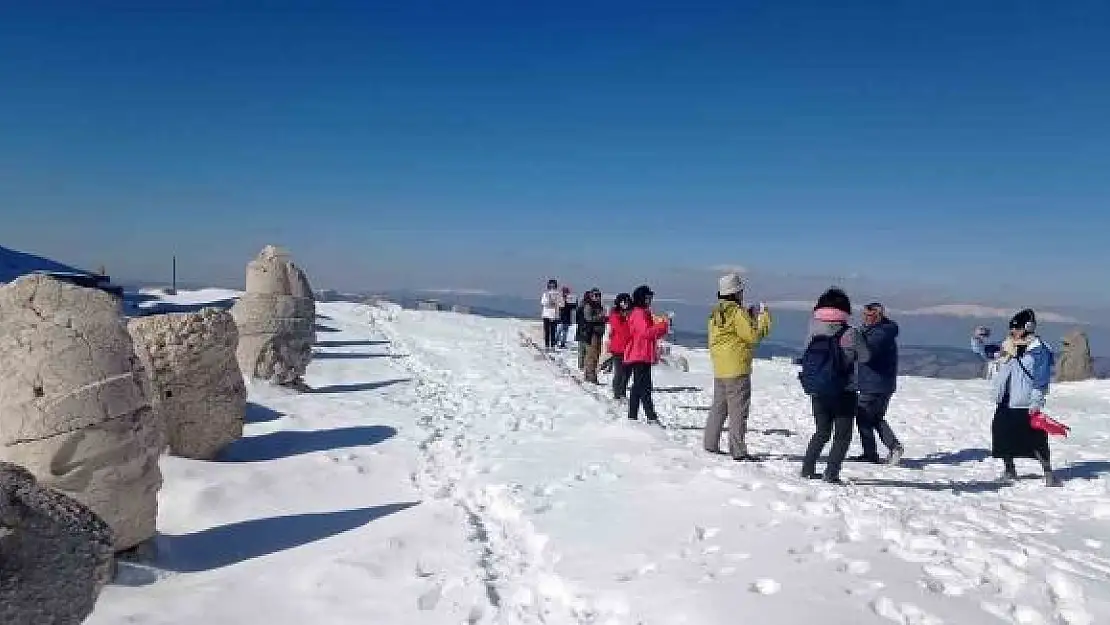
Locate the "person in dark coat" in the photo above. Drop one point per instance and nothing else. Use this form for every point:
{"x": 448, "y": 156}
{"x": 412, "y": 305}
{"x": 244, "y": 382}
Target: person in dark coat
{"x": 1019, "y": 387}
{"x": 594, "y": 319}
{"x": 566, "y": 317}
{"x": 833, "y": 409}
{"x": 876, "y": 381}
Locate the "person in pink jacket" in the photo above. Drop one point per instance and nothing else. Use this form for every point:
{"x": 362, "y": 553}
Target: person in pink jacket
{"x": 644, "y": 332}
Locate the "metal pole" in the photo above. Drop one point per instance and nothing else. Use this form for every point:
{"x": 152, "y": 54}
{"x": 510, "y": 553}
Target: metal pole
{"x": 175, "y": 273}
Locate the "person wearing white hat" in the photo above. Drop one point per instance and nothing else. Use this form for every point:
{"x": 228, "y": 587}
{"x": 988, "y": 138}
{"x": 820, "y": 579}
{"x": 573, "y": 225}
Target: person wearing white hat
{"x": 734, "y": 334}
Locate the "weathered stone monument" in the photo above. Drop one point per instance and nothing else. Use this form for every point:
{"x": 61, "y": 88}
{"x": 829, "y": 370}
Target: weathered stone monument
{"x": 55, "y": 554}
{"x": 1075, "y": 362}
{"x": 276, "y": 318}
{"x": 198, "y": 388}
{"x": 75, "y": 407}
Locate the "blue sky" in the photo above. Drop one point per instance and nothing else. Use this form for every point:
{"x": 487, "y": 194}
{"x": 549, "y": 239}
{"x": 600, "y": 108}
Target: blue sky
{"x": 488, "y": 144}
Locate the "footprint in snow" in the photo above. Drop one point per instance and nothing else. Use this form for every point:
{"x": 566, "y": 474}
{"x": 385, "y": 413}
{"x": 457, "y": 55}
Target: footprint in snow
{"x": 766, "y": 586}
{"x": 855, "y": 567}
{"x": 1016, "y": 614}
{"x": 904, "y": 614}
{"x": 704, "y": 533}
{"x": 1067, "y": 599}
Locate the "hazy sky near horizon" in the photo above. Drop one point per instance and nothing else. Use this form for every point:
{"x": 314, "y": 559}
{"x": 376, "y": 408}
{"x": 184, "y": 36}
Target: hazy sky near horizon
{"x": 959, "y": 146}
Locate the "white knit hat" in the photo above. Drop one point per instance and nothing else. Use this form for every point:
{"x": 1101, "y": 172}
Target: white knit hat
{"x": 730, "y": 284}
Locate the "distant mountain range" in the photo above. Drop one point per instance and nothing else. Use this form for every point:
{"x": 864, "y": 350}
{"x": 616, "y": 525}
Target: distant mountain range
{"x": 934, "y": 340}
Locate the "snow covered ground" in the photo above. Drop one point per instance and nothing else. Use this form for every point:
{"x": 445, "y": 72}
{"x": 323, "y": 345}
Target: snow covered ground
{"x": 444, "y": 473}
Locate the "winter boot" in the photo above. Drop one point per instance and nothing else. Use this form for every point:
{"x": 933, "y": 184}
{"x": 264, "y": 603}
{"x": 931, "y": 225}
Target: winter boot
{"x": 895, "y": 456}
{"x": 1050, "y": 478}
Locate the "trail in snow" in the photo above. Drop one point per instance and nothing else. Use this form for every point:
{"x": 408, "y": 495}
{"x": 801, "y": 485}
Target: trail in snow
{"x": 311, "y": 517}
{"x": 924, "y": 543}
{"x": 442, "y": 472}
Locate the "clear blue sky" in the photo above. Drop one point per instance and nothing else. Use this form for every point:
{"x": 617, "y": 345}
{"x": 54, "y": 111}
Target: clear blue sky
{"x": 476, "y": 144}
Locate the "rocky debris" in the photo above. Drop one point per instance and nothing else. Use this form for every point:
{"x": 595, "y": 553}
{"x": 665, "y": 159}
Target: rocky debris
{"x": 276, "y": 318}
{"x": 75, "y": 406}
{"x": 1075, "y": 361}
{"x": 198, "y": 388}
{"x": 55, "y": 554}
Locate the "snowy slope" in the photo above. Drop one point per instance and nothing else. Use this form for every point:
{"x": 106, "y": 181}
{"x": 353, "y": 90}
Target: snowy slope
{"x": 444, "y": 473}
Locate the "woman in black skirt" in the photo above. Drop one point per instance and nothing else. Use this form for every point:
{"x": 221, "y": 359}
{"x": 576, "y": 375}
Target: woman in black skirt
{"x": 1020, "y": 384}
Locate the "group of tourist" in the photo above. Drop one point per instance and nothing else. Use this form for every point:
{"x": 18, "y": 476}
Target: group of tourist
{"x": 850, "y": 373}
{"x": 633, "y": 346}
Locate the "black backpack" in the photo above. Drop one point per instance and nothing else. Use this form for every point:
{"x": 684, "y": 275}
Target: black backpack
{"x": 824, "y": 370}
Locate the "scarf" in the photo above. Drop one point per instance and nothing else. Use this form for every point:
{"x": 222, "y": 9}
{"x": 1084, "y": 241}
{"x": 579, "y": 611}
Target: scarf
{"x": 1014, "y": 348}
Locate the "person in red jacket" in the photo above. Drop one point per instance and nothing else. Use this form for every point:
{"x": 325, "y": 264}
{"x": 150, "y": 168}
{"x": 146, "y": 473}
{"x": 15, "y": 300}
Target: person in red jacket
{"x": 644, "y": 332}
{"x": 618, "y": 341}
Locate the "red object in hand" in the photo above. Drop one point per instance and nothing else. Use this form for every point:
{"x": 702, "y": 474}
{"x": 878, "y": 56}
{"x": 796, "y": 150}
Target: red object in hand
{"x": 1040, "y": 421}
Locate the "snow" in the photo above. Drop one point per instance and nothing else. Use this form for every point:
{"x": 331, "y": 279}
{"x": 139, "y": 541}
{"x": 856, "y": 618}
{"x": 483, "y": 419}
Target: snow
{"x": 443, "y": 472}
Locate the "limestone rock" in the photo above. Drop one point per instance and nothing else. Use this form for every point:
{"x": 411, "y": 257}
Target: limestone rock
{"x": 276, "y": 318}
{"x": 55, "y": 554}
{"x": 1075, "y": 361}
{"x": 198, "y": 389}
{"x": 75, "y": 402}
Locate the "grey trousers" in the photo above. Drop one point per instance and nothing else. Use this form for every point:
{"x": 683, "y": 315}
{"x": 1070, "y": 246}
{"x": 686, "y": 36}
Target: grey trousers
{"x": 732, "y": 400}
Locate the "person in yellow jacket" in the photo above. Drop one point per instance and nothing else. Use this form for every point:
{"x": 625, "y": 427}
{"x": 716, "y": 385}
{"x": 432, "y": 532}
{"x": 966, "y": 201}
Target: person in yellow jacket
{"x": 733, "y": 337}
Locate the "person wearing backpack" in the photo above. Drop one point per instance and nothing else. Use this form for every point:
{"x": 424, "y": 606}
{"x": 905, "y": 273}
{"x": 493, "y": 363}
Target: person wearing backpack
{"x": 877, "y": 380}
{"x": 1019, "y": 387}
{"x": 733, "y": 337}
{"x": 828, "y": 366}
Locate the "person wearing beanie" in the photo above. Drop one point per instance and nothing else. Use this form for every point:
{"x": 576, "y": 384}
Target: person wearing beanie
{"x": 832, "y": 352}
{"x": 876, "y": 381}
{"x": 644, "y": 332}
{"x": 733, "y": 338}
{"x": 593, "y": 318}
{"x": 1019, "y": 387}
{"x": 618, "y": 341}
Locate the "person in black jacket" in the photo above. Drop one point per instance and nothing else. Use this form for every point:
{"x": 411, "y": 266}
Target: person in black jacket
{"x": 566, "y": 316}
{"x": 581, "y": 332}
{"x": 876, "y": 381}
{"x": 594, "y": 319}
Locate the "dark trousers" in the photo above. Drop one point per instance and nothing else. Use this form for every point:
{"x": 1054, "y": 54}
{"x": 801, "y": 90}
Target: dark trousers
{"x": 833, "y": 416}
{"x": 871, "y": 418}
{"x": 620, "y": 376}
{"x": 549, "y": 327}
{"x": 640, "y": 393}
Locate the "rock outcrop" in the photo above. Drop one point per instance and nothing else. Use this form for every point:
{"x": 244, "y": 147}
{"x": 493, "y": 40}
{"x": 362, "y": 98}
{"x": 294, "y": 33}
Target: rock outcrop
{"x": 75, "y": 406}
{"x": 1075, "y": 361}
{"x": 55, "y": 554}
{"x": 276, "y": 318}
{"x": 198, "y": 389}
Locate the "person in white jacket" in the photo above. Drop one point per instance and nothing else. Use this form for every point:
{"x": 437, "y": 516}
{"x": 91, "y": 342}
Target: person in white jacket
{"x": 550, "y": 303}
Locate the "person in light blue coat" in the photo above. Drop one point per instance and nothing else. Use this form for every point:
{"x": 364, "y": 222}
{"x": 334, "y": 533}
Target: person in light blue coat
{"x": 1019, "y": 385}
